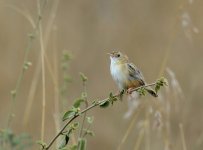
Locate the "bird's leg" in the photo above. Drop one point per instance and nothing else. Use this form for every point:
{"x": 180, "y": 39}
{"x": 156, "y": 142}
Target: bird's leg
{"x": 120, "y": 94}
{"x": 129, "y": 90}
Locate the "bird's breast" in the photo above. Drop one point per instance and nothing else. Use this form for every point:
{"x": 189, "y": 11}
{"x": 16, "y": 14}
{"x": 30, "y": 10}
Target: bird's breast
{"x": 119, "y": 73}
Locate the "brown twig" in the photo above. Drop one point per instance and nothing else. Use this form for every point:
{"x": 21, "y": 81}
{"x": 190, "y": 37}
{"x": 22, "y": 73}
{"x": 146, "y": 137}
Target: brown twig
{"x": 87, "y": 109}
{"x": 147, "y": 85}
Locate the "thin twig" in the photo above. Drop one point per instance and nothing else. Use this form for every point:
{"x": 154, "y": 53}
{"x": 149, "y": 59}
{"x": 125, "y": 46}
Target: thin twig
{"x": 86, "y": 105}
{"x": 32, "y": 36}
{"x": 182, "y": 136}
{"x": 43, "y": 72}
{"x": 87, "y": 109}
{"x": 37, "y": 72}
{"x": 73, "y": 118}
{"x": 147, "y": 85}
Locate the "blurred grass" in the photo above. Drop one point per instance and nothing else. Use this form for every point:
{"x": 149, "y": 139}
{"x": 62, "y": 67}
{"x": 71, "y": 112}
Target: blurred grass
{"x": 89, "y": 29}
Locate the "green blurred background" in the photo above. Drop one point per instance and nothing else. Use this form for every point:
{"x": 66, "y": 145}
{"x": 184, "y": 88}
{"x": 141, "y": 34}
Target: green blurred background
{"x": 155, "y": 34}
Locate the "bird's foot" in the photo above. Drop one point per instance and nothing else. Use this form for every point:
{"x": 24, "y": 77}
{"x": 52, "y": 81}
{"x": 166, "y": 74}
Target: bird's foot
{"x": 120, "y": 94}
{"x": 129, "y": 91}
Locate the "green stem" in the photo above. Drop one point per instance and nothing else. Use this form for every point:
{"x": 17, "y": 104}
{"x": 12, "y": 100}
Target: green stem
{"x": 84, "y": 111}
{"x": 20, "y": 78}
{"x": 86, "y": 105}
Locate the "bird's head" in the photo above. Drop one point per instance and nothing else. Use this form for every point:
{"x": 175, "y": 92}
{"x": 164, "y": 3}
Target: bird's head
{"x": 118, "y": 57}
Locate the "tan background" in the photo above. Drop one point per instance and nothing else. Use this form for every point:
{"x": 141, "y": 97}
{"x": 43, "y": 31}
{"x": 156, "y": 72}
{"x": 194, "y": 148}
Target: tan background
{"x": 145, "y": 30}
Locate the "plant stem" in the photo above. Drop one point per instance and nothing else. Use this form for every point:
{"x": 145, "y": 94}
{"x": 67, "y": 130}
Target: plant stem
{"x": 32, "y": 36}
{"x": 87, "y": 109}
{"x": 43, "y": 72}
{"x": 73, "y": 118}
{"x": 147, "y": 85}
{"x": 86, "y": 105}
{"x": 182, "y": 136}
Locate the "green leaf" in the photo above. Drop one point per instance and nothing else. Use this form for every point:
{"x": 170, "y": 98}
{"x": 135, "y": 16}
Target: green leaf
{"x": 90, "y": 119}
{"x": 94, "y": 102}
{"x": 67, "y": 78}
{"x": 142, "y": 91}
{"x": 41, "y": 143}
{"x": 66, "y": 55}
{"x": 13, "y": 93}
{"x": 64, "y": 142}
{"x": 112, "y": 98}
{"x": 111, "y": 95}
{"x": 78, "y": 102}
{"x": 75, "y": 125}
{"x": 164, "y": 81}
{"x": 14, "y": 141}
{"x": 104, "y": 104}
{"x": 88, "y": 132}
{"x": 82, "y": 144}
{"x": 73, "y": 147}
{"x": 31, "y": 35}
{"x": 69, "y": 114}
{"x": 83, "y": 77}
{"x": 26, "y": 65}
{"x": 160, "y": 82}
{"x": 157, "y": 88}
{"x": 64, "y": 66}
{"x": 83, "y": 95}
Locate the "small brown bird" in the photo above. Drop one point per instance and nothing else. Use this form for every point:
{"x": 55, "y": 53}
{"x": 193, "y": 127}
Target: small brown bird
{"x": 126, "y": 74}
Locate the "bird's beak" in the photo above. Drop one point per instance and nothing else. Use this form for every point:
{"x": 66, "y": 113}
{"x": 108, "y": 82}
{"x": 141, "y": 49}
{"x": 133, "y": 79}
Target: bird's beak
{"x": 110, "y": 54}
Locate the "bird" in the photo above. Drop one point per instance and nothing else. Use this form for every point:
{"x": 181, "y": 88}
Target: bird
{"x": 126, "y": 75}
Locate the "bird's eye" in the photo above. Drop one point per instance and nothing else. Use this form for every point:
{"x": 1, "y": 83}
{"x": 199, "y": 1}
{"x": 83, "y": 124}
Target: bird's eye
{"x": 118, "y": 55}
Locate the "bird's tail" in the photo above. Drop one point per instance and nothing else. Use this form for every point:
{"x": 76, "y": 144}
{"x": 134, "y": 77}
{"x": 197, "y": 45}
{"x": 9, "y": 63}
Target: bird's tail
{"x": 151, "y": 91}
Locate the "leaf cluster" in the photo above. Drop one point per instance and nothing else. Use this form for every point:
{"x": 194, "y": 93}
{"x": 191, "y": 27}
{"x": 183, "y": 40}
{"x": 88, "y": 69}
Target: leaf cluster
{"x": 12, "y": 141}
{"x": 159, "y": 83}
{"x": 67, "y": 134}
{"x": 111, "y": 99}
{"x": 75, "y": 112}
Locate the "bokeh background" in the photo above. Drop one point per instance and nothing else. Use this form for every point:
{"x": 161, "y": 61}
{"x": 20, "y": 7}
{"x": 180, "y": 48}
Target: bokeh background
{"x": 155, "y": 34}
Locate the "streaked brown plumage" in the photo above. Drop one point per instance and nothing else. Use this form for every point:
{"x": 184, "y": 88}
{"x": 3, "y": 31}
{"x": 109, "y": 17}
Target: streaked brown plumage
{"x": 126, "y": 74}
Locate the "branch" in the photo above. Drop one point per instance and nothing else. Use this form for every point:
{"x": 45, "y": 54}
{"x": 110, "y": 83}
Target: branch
{"x": 147, "y": 85}
{"x": 87, "y": 109}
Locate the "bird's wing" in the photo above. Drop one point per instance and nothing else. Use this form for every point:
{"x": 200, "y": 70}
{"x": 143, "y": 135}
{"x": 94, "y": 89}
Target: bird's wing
{"x": 135, "y": 74}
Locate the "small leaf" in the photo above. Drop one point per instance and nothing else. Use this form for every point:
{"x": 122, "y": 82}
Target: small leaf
{"x": 82, "y": 144}
{"x": 75, "y": 125}
{"x": 67, "y": 78}
{"x": 90, "y": 119}
{"x": 142, "y": 91}
{"x": 64, "y": 66}
{"x": 89, "y": 132}
{"x": 112, "y": 98}
{"x": 164, "y": 81}
{"x": 78, "y": 102}
{"x": 26, "y": 65}
{"x": 64, "y": 142}
{"x": 111, "y": 95}
{"x": 66, "y": 55}
{"x": 94, "y": 102}
{"x": 104, "y": 104}
{"x": 83, "y": 77}
{"x": 42, "y": 144}
{"x": 73, "y": 147}
{"x": 31, "y": 35}
{"x": 13, "y": 93}
{"x": 160, "y": 82}
{"x": 157, "y": 88}
{"x": 76, "y": 110}
{"x": 68, "y": 114}
{"x": 84, "y": 95}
